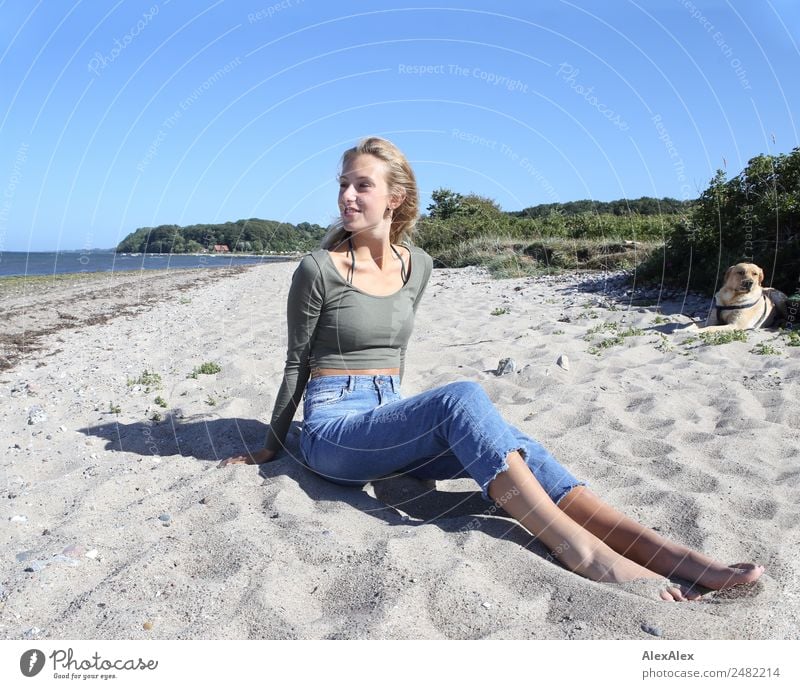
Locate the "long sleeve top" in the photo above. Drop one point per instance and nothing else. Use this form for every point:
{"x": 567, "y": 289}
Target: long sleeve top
{"x": 333, "y": 324}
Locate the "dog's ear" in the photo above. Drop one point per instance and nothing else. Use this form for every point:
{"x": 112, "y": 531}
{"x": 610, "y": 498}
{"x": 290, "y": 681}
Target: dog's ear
{"x": 760, "y": 276}
{"x": 727, "y": 275}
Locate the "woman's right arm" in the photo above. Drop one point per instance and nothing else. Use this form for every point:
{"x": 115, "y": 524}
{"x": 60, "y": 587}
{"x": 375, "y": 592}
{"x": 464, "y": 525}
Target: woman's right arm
{"x": 303, "y": 307}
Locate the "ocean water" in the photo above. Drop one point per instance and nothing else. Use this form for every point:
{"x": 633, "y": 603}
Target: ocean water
{"x": 52, "y": 263}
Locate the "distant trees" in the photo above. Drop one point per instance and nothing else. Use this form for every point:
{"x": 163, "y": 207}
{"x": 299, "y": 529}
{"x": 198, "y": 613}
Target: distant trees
{"x": 641, "y": 206}
{"x": 251, "y": 235}
{"x": 455, "y": 218}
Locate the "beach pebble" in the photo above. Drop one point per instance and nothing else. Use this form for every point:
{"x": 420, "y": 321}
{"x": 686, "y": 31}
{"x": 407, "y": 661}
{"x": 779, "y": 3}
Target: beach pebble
{"x": 147, "y": 626}
{"x": 30, "y": 633}
{"x": 506, "y": 366}
{"x": 36, "y": 415}
{"x": 92, "y": 554}
{"x": 35, "y": 566}
{"x": 19, "y": 390}
{"x": 486, "y": 605}
{"x": 649, "y": 629}
{"x": 19, "y": 518}
{"x": 205, "y": 500}
{"x": 563, "y": 362}
{"x": 64, "y": 559}
{"x": 62, "y": 428}
{"x": 74, "y": 551}
{"x": 165, "y": 518}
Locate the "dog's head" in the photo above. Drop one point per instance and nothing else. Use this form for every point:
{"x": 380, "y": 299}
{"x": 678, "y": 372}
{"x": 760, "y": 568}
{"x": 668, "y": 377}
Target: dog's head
{"x": 743, "y": 277}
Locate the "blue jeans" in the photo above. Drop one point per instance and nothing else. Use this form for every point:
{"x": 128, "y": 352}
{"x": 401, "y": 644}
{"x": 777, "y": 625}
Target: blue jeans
{"x": 360, "y": 428}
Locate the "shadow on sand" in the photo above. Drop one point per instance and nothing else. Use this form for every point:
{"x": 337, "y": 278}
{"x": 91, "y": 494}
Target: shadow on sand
{"x": 397, "y": 500}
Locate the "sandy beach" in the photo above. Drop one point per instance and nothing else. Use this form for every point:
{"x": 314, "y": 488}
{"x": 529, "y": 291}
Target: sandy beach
{"x": 117, "y": 524}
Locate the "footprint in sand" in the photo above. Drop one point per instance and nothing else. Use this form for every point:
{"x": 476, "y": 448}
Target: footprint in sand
{"x": 693, "y": 480}
{"x": 642, "y": 404}
{"x": 753, "y": 508}
{"x": 649, "y": 447}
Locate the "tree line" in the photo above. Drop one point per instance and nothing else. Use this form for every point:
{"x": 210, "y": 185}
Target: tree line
{"x": 243, "y": 236}
{"x": 752, "y": 217}
{"x": 577, "y": 218}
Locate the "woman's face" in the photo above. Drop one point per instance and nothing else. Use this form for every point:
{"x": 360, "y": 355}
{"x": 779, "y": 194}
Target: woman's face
{"x": 364, "y": 193}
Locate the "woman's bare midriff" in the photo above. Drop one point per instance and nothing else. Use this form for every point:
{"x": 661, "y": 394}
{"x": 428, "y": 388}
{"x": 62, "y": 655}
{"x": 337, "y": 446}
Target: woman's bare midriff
{"x": 316, "y": 372}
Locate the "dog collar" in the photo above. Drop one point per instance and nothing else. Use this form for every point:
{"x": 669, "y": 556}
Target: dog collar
{"x": 744, "y": 306}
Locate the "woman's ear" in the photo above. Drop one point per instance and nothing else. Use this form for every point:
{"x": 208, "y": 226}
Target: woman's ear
{"x": 396, "y": 199}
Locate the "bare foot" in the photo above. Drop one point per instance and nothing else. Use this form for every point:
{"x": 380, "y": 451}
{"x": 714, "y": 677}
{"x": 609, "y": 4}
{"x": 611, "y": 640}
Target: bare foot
{"x": 722, "y": 577}
{"x": 258, "y": 457}
{"x": 634, "y": 578}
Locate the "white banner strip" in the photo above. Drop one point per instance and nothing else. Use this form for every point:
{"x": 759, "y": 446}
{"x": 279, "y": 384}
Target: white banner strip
{"x": 400, "y": 664}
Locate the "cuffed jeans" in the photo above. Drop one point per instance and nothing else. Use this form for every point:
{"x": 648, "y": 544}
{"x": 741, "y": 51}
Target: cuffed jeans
{"x": 360, "y": 428}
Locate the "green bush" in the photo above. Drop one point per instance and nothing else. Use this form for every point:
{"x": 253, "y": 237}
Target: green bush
{"x": 207, "y": 368}
{"x": 724, "y": 337}
{"x": 752, "y": 218}
{"x": 147, "y": 380}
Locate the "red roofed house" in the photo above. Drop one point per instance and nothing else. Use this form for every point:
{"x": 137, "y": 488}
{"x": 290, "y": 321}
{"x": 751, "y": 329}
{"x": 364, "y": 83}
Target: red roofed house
{"x": 221, "y": 248}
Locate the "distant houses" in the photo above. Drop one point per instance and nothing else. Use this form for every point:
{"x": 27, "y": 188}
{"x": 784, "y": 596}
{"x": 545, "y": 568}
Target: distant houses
{"x": 221, "y": 249}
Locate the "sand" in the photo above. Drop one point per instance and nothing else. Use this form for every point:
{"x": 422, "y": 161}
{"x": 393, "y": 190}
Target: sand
{"x": 117, "y": 523}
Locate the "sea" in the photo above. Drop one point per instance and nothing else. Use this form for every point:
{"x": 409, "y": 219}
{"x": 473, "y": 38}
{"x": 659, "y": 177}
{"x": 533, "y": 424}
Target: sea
{"x": 17, "y": 263}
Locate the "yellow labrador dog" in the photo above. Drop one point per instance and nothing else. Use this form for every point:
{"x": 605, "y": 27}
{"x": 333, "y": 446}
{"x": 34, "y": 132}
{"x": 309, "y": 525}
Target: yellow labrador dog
{"x": 743, "y": 303}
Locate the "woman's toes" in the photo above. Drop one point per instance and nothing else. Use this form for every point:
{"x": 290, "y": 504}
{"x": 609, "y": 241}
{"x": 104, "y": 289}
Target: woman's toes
{"x": 745, "y": 573}
{"x": 655, "y": 588}
{"x": 676, "y": 593}
{"x": 692, "y": 594}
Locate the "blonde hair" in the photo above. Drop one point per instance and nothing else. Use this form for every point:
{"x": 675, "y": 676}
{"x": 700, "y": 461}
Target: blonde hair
{"x": 399, "y": 178}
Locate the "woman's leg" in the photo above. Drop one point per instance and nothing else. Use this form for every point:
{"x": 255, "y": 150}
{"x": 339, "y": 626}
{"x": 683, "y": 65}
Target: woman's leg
{"x": 644, "y": 546}
{"x": 416, "y": 433}
{"x": 521, "y": 495}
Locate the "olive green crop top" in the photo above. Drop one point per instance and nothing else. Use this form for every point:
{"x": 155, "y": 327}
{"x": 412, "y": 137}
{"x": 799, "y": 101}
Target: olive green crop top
{"x": 333, "y": 324}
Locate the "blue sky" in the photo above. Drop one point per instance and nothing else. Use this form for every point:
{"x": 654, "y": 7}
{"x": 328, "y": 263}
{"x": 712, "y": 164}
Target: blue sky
{"x": 119, "y": 115}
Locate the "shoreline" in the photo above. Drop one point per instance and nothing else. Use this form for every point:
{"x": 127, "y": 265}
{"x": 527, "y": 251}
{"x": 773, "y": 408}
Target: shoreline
{"x": 41, "y": 279}
{"x": 204, "y": 262}
{"x": 35, "y": 307}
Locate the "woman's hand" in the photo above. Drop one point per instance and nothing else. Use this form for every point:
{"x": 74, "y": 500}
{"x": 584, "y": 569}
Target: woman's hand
{"x": 263, "y": 455}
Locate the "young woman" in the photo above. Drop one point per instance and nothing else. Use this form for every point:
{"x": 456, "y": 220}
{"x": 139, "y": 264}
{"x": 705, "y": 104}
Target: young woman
{"x": 350, "y": 314}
